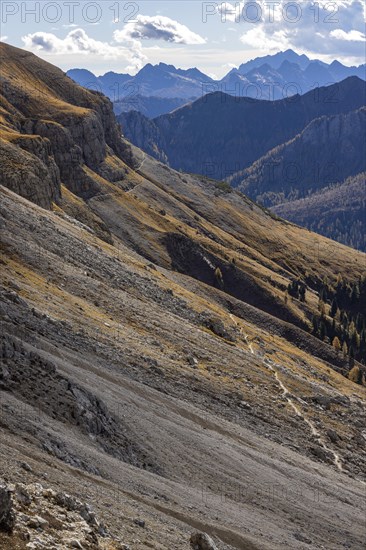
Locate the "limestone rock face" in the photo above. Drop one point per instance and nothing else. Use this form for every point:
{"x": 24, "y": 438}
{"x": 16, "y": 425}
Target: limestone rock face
{"x": 80, "y": 142}
{"x": 29, "y": 170}
{"x": 144, "y": 133}
{"x": 50, "y": 519}
{"x": 61, "y": 135}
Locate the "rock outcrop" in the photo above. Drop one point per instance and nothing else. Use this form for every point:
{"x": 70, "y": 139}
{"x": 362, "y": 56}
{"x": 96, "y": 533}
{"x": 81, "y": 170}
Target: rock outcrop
{"x": 29, "y": 170}
{"x": 43, "y": 518}
{"x": 62, "y": 134}
{"x": 6, "y": 510}
{"x": 201, "y": 541}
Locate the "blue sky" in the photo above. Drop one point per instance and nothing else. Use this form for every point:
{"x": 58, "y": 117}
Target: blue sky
{"x": 214, "y": 36}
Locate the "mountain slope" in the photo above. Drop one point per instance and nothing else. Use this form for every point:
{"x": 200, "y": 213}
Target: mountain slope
{"x": 150, "y": 107}
{"x": 158, "y": 212}
{"x": 337, "y": 212}
{"x": 219, "y": 135}
{"x": 327, "y": 151}
{"x": 136, "y": 377}
{"x": 172, "y": 388}
{"x": 64, "y": 135}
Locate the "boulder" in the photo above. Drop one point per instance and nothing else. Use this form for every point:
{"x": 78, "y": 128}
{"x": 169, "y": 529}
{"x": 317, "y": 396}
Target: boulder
{"x": 37, "y": 522}
{"x": 322, "y": 400}
{"x": 201, "y": 541}
{"x": 333, "y": 436}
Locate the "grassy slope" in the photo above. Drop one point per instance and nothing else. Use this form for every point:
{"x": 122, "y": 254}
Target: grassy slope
{"x": 125, "y": 332}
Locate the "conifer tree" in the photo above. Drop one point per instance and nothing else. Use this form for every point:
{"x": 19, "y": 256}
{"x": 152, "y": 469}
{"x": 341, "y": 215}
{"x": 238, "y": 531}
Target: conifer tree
{"x": 336, "y": 344}
{"x": 345, "y": 349}
{"x": 219, "y": 278}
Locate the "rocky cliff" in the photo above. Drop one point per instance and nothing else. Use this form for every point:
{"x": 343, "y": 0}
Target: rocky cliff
{"x": 71, "y": 132}
{"x": 327, "y": 151}
{"x": 145, "y": 132}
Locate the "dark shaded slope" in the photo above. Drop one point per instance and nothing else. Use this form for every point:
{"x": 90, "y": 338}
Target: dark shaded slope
{"x": 327, "y": 151}
{"x": 338, "y": 212}
{"x": 219, "y": 135}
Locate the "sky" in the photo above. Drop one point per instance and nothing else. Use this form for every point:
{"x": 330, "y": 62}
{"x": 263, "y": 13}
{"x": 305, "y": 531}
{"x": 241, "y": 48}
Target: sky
{"x": 123, "y": 36}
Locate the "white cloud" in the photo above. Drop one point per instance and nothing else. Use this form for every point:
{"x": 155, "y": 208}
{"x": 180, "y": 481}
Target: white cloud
{"x": 323, "y": 28}
{"x": 157, "y": 27}
{"x": 3, "y": 38}
{"x": 78, "y": 42}
{"x": 258, "y": 38}
{"x": 127, "y": 41}
{"x": 350, "y": 36}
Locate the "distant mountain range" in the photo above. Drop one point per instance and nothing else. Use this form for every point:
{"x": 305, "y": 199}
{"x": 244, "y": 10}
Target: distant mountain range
{"x": 151, "y": 81}
{"x": 273, "y": 151}
{"x": 285, "y": 74}
{"x": 271, "y": 77}
{"x": 219, "y": 135}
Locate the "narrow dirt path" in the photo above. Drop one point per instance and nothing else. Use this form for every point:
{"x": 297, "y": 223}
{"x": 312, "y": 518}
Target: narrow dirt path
{"x": 286, "y": 394}
{"x": 336, "y": 458}
{"x": 245, "y": 336}
{"x": 136, "y": 170}
{"x": 142, "y": 162}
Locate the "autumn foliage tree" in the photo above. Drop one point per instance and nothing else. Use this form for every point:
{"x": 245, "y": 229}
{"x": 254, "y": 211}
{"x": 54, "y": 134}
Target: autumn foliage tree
{"x": 336, "y": 344}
